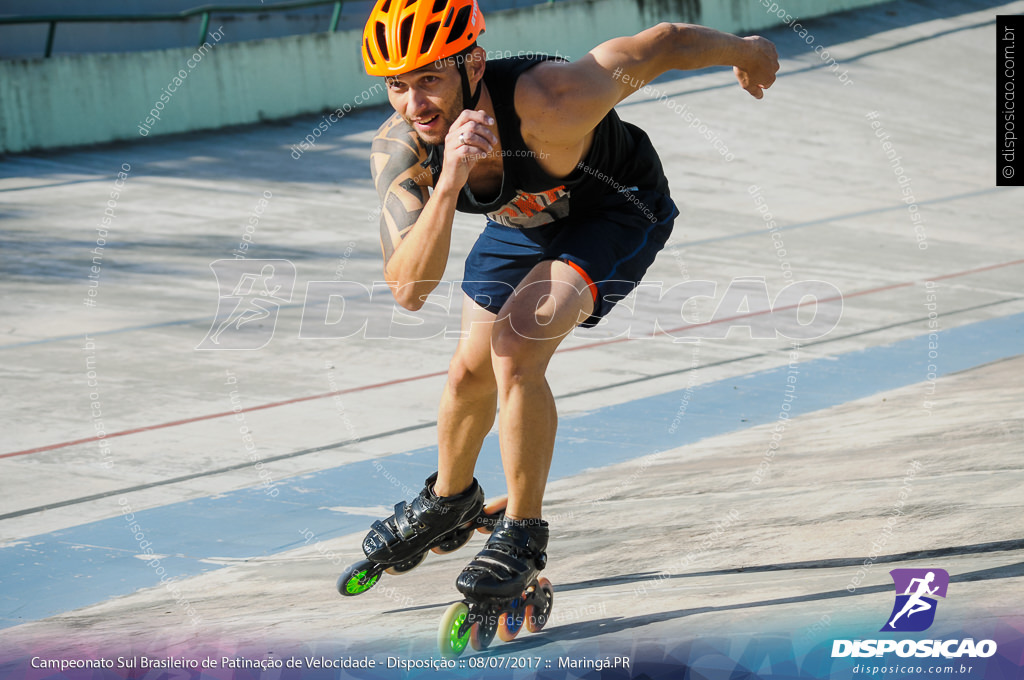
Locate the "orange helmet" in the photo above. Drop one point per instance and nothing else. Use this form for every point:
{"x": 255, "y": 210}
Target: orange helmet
{"x": 404, "y": 35}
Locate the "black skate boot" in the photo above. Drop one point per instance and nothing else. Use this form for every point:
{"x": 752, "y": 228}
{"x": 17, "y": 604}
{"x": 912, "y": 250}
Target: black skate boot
{"x": 400, "y": 542}
{"x": 501, "y": 588}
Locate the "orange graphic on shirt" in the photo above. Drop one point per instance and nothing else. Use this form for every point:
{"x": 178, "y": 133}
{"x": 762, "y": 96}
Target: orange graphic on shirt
{"x": 533, "y": 209}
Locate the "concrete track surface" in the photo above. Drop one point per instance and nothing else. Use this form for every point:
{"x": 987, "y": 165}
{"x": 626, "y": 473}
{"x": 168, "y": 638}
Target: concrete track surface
{"x": 724, "y": 500}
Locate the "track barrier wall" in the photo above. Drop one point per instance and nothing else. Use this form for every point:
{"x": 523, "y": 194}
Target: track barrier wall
{"x": 80, "y": 99}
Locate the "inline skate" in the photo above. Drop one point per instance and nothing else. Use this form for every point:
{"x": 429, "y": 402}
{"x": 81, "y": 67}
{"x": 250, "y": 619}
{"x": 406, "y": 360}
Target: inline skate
{"x": 501, "y": 588}
{"x": 430, "y": 523}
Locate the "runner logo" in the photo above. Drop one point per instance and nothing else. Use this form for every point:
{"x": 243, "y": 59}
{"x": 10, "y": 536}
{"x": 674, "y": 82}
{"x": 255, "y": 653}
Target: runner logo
{"x": 251, "y": 294}
{"x": 914, "y": 610}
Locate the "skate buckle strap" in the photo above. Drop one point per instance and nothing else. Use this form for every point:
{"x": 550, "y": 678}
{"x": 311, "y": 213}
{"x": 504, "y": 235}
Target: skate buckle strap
{"x": 383, "y": 531}
{"x": 487, "y": 560}
{"x": 405, "y": 528}
{"x": 515, "y": 541}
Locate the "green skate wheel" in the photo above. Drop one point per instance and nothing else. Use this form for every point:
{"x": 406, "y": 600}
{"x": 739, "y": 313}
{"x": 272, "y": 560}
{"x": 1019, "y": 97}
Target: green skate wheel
{"x": 359, "y": 578}
{"x": 453, "y": 634}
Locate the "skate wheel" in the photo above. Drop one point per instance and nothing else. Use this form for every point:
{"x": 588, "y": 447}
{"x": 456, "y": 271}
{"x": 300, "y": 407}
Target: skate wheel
{"x": 491, "y": 514}
{"x": 482, "y": 633}
{"x": 537, "y": 614}
{"x": 509, "y": 624}
{"x": 454, "y": 542}
{"x": 359, "y": 578}
{"x": 408, "y": 565}
{"x": 449, "y": 640}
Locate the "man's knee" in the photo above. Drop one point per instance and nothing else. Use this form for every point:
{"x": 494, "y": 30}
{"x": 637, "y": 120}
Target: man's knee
{"x": 515, "y": 356}
{"x": 469, "y": 378}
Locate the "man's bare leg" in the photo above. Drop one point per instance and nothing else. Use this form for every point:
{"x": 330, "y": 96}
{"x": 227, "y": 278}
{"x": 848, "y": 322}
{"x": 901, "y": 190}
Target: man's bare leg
{"x": 468, "y": 404}
{"x": 547, "y": 305}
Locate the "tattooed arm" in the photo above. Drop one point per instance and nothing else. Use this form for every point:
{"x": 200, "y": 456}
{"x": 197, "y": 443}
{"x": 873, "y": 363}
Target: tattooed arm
{"x": 415, "y": 226}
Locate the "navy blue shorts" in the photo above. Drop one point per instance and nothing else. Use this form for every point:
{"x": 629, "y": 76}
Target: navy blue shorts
{"x": 611, "y": 247}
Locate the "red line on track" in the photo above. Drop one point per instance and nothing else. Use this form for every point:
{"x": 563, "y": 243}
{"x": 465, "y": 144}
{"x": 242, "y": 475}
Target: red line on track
{"x": 398, "y": 381}
{"x": 975, "y": 271}
{"x": 186, "y": 421}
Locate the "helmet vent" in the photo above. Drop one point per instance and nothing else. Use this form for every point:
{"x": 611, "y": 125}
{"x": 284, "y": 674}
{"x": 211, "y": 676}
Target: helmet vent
{"x": 368, "y": 52}
{"x": 428, "y": 36}
{"x": 460, "y": 23}
{"x": 406, "y": 33}
{"x": 382, "y": 41}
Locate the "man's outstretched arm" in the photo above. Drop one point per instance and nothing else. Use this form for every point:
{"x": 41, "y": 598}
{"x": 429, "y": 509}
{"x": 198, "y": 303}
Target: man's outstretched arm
{"x": 565, "y": 101}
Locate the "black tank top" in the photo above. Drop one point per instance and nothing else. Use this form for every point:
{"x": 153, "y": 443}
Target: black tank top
{"x": 620, "y": 158}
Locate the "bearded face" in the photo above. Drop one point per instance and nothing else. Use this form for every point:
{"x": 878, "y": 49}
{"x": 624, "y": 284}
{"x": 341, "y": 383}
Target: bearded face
{"x": 429, "y": 99}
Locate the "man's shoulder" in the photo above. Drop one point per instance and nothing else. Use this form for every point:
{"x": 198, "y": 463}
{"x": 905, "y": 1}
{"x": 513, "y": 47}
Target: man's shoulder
{"x": 396, "y": 149}
{"x": 522, "y": 67}
{"x": 541, "y": 91}
{"x": 397, "y": 138}
{"x": 395, "y": 128}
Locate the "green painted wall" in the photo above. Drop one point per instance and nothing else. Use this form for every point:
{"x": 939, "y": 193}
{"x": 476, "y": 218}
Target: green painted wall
{"x": 94, "y": 98}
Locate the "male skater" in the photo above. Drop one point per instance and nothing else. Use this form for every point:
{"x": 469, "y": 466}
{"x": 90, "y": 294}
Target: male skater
{"x": 577, "y": 206}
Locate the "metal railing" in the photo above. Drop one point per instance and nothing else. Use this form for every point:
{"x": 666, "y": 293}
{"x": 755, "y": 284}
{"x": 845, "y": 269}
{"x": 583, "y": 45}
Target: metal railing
{"x": 203, "y": 12}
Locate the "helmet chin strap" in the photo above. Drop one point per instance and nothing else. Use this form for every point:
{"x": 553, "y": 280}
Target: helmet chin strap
{"x": 469, "y": 101}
